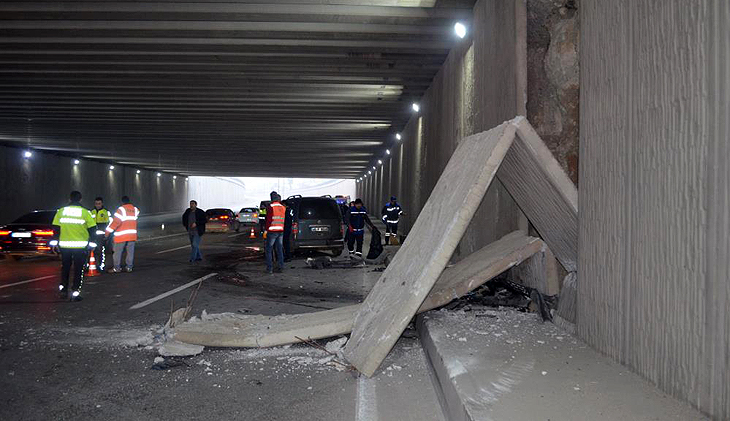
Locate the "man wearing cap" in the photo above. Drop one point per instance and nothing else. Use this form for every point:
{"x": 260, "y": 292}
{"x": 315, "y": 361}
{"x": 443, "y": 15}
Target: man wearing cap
{"x": 391, "y": 215}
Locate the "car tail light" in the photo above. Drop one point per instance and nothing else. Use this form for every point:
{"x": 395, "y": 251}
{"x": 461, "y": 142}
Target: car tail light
{"x": 46, "y": 248}
{"x": 5, "y": 232}
{"x": 43, "y": 233}
{"x": 224, "y": 217}
{"x": 255, "y": 215}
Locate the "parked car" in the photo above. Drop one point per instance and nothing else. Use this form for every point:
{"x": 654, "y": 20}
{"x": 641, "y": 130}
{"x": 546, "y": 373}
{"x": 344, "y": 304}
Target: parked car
{"x": 221, "y": 220}
{"x": 29, "y": 235}
{"x": 316, "y": 224}
{"x": 248, "y": 216}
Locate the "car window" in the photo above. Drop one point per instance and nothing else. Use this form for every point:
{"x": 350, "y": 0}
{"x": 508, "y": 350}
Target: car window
{"x": 216, "y": 212}
{"x": 43, "y": 217}
{"x": 250, "y": 210}
{"x": 318, "y": 209}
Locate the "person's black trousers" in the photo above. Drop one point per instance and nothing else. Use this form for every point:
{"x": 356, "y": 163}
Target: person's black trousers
{"x": 355, "y": 237}
{"x": 391, "y": 230}
{"x": 287, "y": 243}
{"x": 77, "y": 258}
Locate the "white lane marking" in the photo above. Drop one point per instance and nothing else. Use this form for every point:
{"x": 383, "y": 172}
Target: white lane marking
{"x": 236, "y": 235}
{"x": 176, "y": 248}
{"x": 170, "y": 292}
{"x": 367, "y": 404}
{"x": 141, "y": 240}
{"x": 27, "y": 282}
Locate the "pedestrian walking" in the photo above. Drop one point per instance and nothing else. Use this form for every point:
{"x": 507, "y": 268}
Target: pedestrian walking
{"x": 77, "y": 227}
{"x": 357, "y": 218}
{"x": 275, "y": 216}
{"x": 101, "y": 217}
{"x": 194, "y": 220}
{"x": 391, "y": 215}
{"x": 124, "y": 226}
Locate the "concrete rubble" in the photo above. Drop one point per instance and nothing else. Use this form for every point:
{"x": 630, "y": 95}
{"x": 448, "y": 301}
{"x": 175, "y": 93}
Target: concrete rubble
{"x": 417, "y": 275}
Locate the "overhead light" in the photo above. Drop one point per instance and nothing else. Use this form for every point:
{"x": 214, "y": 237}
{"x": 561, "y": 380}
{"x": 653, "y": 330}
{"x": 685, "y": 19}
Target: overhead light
{"x": 76, "y": 162}
{"x": 159, "y": 174}
{"x": 416, "y": 107}
{"x": 138, "y": 171}
{"x": 186, "y": 179}
{"x": 380, "y": 162}
{"x": 27, "y": 154}
{"x": 369, "y": 172}
{"x": 460, "y": 29}
{"x": 174, "y": 177}
{"x": 398, "y": 136}
{"x": 374, "y": 167}
{"x": 387, "y": 151}
{"x": 111, "y": 167}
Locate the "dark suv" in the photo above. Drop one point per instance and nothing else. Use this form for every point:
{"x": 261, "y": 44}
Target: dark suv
{"x": 316, "y": 224}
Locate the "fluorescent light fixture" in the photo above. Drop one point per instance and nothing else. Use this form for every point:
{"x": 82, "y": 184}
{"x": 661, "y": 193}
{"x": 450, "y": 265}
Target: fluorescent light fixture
{"x": 369, "y": 172}
{"x": 111, "y": 167}
{"x": 380, "y": 162}
{"x": 416, "y": 107}
{"x": 138, "y": 171}
{"x": 27, "y": 154}
{"x": 387, "y": 151}
{"x": 76, "y": 162}
{"x": 460, "y": 29}
{"x": 159, "y": 174}
{"x": 398, "y": 136}
{"x": 174, "y": 177}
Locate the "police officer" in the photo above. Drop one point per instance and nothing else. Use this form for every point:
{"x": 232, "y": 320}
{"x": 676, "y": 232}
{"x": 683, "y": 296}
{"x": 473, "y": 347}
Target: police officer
{"x": 77, "y": 228}
{"x": 391, "y": 214}
{"x": 357, "y": 218}
{"x": 101, "y": 216}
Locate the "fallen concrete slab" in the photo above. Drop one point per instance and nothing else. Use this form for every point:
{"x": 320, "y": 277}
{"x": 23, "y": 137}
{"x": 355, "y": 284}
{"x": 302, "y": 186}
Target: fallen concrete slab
{"x": 544, "y": 193}
{"x": 404, "y": 285}
{"x": 481, "y": 266}
{"x": 236, "y": 330}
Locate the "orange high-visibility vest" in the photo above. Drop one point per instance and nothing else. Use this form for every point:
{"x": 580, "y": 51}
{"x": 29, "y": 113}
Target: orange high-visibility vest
{"x": 124, "y": 223}
{"x": 278, "y": 213}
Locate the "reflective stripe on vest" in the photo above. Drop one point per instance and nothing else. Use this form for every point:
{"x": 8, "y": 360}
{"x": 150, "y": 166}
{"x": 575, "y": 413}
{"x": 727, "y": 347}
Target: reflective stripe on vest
{"x": 278, "y": 214}
{"x": 68, "y": 244}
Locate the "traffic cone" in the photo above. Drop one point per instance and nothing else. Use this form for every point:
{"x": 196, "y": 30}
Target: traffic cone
{"x": 253, "y": 234}
{"x": 92, "y": 266}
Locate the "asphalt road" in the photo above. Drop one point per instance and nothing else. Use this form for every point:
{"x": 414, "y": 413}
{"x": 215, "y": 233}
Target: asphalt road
{"x": 94, "y": 359}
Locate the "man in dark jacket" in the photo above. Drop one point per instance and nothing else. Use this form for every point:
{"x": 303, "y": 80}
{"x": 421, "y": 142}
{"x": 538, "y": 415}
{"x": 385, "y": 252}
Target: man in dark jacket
{"x": 357, "y": 218}
{"x": 194, "y": 220}
{"x": 391, "y": 213}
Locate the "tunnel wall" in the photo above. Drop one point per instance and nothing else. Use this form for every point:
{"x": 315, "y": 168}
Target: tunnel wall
{"x": 45, "y": 180}
{"x": 482, "y": 84}
{"x": 654, "y": 266}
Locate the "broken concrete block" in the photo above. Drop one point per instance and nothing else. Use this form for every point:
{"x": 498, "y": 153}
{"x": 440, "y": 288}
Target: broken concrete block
{"x": 565, "y": 317}
{"x": 481, "y": 266}
{"x": 239, "y": 330}
{"x": 544, "y": 193}
{"x": 235, "y": 330}
{"x": 179, "y": 349}
{"x": 404, "y": 285}
{"x": 540, "y": 272}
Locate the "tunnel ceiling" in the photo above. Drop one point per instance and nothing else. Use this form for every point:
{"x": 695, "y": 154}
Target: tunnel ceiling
{"x": 276, "y": 88}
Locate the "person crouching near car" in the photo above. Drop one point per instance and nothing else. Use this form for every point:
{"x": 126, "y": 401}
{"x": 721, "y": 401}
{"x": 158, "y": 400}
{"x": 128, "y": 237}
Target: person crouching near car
{"x": 194, "y": 220}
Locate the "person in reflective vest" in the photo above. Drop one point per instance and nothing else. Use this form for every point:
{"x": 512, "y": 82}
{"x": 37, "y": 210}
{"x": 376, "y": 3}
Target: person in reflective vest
{"x": 357, "y": 218}
{"x": 77, "y": 227}
{"x": 101, "y": 216}
{"x": 275, "y": 216}
{"x": 391, "y": 215}
{"x": 124, "y": 226}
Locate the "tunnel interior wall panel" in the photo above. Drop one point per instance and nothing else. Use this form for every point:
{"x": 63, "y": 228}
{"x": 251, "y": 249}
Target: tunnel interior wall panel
{"x": 481, "y": 85}
{"x": 653, "y": 289}
{"x": 45, "y": 180}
